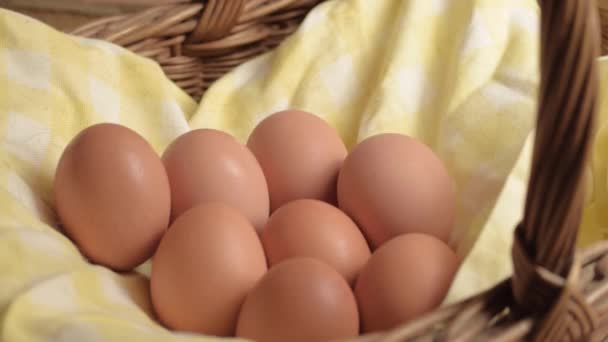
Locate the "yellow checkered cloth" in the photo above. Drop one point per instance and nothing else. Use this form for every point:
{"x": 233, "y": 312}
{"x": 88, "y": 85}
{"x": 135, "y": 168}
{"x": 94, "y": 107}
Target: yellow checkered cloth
{"x": 459, "y": 75}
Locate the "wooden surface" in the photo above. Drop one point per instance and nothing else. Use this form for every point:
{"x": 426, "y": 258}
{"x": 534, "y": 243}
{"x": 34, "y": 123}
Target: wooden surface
{"x": 67, "y": 15}
{"x": 95, "y": 7}
{"x": 61, "y": 21}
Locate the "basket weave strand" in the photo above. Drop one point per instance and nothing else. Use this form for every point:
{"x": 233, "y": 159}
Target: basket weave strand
{"x": 555, "y": 294}
{"x": 217, "y": 21}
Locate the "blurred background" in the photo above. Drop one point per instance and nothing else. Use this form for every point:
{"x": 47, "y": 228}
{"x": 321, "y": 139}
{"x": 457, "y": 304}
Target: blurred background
{"x": 67, "y": 15}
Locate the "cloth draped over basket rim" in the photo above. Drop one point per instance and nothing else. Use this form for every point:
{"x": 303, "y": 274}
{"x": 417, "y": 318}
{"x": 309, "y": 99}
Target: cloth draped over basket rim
{"x": 556, "y": 293}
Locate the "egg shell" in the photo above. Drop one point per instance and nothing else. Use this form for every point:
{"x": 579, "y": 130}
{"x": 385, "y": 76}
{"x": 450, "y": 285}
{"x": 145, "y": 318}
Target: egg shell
{"x": 300, "y": 299}
{"x": 205, "y": 265}
{"x": 312, "y": 228}
{"x": 391, "y": 184}
{"x": 406, "y": 277}
{"x": 112, "y": 196}
{"x": 207, "y": 165}
{"x": 300, "y": 154}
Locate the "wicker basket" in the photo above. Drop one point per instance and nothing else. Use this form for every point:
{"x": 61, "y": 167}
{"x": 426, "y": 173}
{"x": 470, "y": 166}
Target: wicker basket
{"x": 556, "y": 292}
{"x": 196, "y": 43}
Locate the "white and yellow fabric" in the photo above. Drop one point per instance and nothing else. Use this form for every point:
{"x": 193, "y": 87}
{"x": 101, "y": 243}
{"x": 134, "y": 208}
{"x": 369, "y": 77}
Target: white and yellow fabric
{"x": 460, "y": 75}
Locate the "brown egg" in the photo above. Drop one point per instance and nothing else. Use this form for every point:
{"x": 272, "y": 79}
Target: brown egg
{"x": 391, "y": 184}
{"x": 408, "y": 276}
{"x": 311, "y": 228}
{"x": 112, "y": 196}
{"x": 301, "y": 299}
{"x": 205, "y": 265}
{"x": 300, "y": 154}
{"x": 209, "y": 165}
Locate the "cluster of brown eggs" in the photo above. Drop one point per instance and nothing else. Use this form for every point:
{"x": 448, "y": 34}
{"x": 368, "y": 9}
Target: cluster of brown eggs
{"x": 286, "y": 238}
